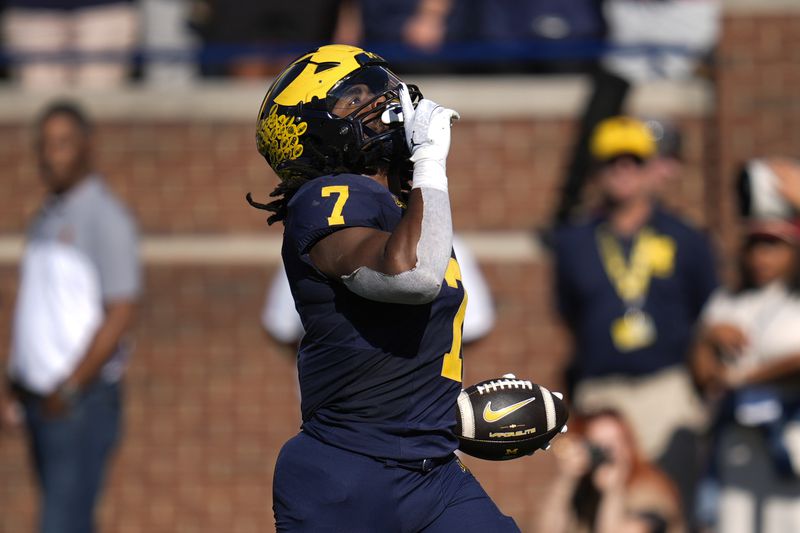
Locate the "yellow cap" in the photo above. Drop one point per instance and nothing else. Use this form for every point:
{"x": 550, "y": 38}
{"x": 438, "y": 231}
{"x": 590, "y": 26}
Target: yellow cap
{"x": 620, "y": 135}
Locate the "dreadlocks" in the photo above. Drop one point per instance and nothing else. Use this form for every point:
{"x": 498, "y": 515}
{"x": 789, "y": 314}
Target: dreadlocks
{"x": 282, "y": 193}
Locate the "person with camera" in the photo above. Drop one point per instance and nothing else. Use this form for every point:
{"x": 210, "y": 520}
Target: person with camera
{"x": 605, "y": 486}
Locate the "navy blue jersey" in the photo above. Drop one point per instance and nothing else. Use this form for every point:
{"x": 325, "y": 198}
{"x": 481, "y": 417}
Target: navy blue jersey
{"x": 376, "y": 378}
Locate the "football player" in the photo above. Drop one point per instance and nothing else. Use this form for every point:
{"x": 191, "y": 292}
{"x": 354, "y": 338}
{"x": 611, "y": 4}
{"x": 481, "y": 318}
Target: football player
{"x": 367, "y": 249}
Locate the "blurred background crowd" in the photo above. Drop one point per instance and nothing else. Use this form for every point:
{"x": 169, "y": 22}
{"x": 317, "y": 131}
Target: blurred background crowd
{"x": 625, "y": 182}
{"x": 104, "y": 43}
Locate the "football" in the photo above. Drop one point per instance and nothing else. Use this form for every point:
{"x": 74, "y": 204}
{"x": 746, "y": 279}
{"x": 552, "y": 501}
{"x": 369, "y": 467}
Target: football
{"x": 506, "y": 418}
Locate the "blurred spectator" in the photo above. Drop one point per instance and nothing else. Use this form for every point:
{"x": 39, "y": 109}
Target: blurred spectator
{"x": 426, "y": 29}
{"x": 673, "y": 36}
{"x": 747, "y": 361}
{"x": 282, "y": 322}
{"x": 630, "y": 285}
{"x": 57, "y": 43}
{"x": 79, "y": 281}
{"x": 533, "y": 35}
{"x": 569, "y": 33}
{"x": 665, "y": 167}
{"x": 411, "y": 32}
{"x": 419, "y": 24}
{"x": 604, "y": 485}
{"x": 169, "y": 44}
{"x": 254, "y": 38}
{"x": 749, "y": 353}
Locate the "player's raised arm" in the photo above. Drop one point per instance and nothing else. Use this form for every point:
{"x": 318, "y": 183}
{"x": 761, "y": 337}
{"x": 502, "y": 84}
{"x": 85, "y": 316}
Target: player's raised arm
{"x": 408, "y": 264}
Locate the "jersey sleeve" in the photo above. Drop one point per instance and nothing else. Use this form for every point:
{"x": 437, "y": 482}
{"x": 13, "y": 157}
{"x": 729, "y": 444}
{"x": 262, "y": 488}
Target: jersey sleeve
{"x": 326, "y": 205}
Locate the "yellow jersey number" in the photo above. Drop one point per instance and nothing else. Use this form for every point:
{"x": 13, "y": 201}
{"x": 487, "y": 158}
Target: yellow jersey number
{"x": 452, "y": 364}
{"x": 343, "y": 193}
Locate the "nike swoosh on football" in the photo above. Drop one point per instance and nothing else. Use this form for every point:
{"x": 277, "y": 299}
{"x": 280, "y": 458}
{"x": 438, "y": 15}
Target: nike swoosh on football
{"x": 491, "y": 415}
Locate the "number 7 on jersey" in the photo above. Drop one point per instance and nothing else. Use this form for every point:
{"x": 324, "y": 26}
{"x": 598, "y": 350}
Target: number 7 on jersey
{"x": 343, "y": 193}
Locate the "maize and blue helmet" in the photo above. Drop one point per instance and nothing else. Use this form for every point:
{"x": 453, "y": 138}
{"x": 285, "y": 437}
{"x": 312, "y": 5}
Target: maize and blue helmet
{"x": 332, "y": 110}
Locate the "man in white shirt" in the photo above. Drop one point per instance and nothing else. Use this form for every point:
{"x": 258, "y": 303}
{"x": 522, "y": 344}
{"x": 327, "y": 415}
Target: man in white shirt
{"x": 79, "y": 281}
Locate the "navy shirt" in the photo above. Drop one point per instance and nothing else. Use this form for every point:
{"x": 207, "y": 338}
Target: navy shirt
{"x": 589, "y": 303}
{"x": 370, "y": 372}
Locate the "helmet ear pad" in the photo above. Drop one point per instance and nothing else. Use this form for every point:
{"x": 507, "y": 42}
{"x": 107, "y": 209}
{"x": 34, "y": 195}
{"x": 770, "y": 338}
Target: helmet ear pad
{"x": 330, "y": 144}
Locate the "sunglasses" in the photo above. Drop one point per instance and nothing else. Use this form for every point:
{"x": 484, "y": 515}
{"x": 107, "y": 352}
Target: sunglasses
{"x": 630, "y": 158}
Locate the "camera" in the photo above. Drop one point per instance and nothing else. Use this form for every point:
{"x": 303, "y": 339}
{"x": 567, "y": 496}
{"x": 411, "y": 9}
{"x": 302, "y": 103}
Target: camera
{"x": 597, "y": 455}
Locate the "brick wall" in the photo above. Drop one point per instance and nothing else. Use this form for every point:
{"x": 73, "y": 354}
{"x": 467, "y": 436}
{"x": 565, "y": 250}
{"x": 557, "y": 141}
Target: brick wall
{"x": 209, "y": 399}
{"x": 192, "y": 177}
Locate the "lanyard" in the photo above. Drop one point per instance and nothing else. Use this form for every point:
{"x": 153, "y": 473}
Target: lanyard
{"x": 631, "y": 279}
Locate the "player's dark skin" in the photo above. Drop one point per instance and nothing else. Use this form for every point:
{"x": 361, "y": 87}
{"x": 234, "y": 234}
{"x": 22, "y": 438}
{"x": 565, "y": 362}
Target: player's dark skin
{"x": 342, "y": 252}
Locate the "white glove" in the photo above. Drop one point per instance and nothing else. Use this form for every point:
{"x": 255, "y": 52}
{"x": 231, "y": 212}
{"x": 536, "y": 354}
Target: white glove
{"x": 427, "y": 131}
